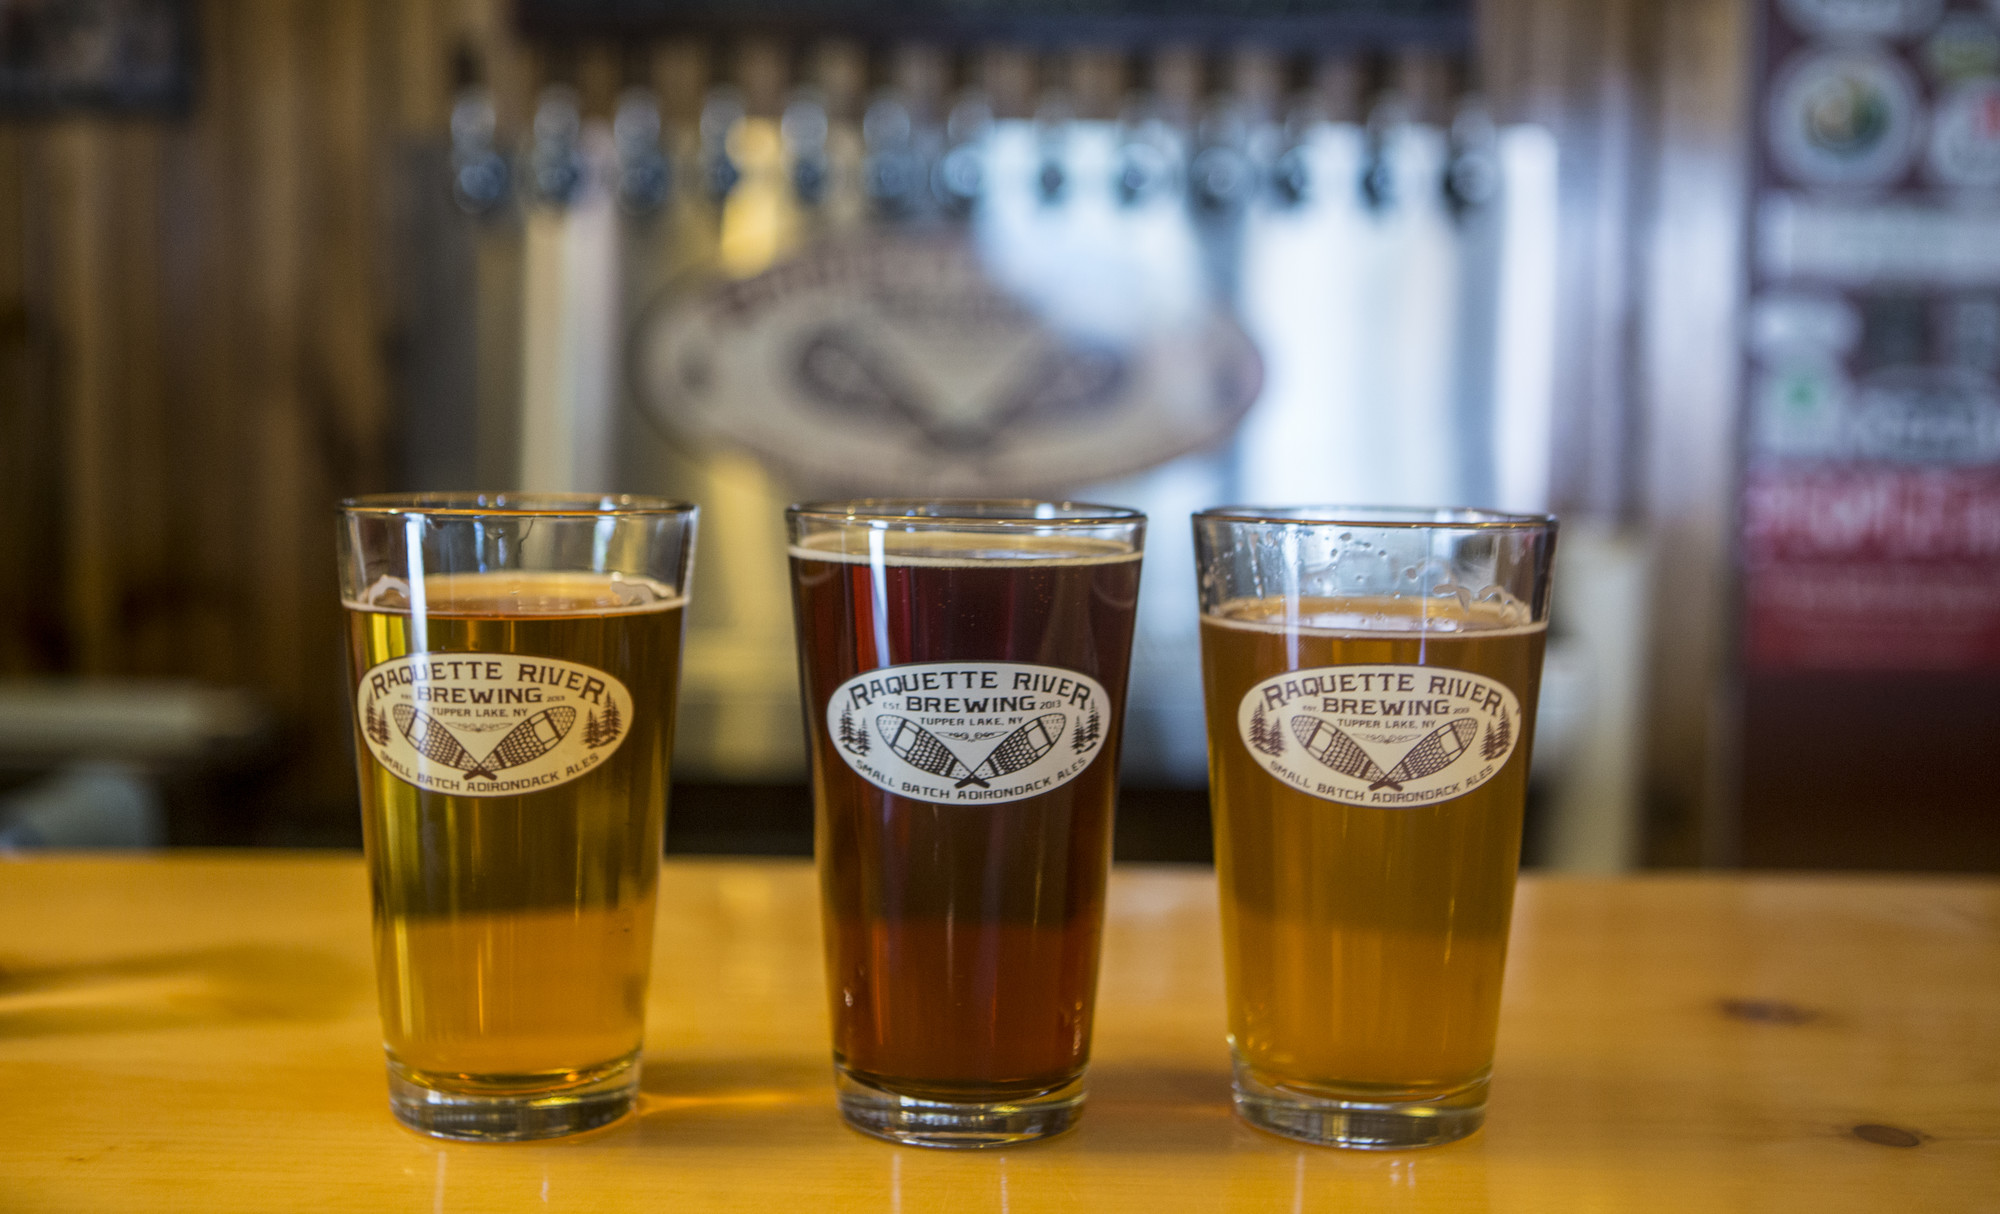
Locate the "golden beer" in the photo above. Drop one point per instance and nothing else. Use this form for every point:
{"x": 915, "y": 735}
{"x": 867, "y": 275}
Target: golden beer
{"x": 1364, "y": 945}
{"x": 1370, "y": 678}
{"x": 513, "y": 917}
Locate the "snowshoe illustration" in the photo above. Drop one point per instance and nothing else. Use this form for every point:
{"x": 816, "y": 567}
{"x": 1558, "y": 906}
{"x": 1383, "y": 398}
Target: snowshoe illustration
{"x": 1332, "y": 747}
{"x": 1019, "y": 749}
{"x": 922, "y": 749}
{"x": 926, "y": 752}
{"x": 1436, "y": 751}
{"x": 526, "y": 742}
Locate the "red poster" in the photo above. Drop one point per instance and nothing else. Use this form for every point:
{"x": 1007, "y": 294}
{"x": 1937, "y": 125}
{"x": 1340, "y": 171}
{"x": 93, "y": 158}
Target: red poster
{"x": 1872, "y": 567}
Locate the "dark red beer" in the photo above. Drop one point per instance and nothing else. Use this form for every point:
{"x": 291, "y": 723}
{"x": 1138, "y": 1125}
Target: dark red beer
{"x": 962, "y": 921}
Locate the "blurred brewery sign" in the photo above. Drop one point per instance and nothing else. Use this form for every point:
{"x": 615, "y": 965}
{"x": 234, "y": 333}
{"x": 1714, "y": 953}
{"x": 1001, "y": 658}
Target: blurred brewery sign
{"x": 124, "y": 55}
{"x": 902, "y": 366}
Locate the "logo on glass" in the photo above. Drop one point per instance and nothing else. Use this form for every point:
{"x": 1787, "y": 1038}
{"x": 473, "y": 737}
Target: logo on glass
{"x": 1390, "y": 737}
{"x": 487, "y": 725}
{"x": 969, "y": 733}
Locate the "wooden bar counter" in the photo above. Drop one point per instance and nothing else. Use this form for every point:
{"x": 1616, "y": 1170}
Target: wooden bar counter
{"x": 198, "y": 1032}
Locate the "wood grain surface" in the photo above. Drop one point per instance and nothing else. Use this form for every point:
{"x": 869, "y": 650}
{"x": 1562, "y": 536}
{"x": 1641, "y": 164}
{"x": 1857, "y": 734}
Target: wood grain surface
{"x": 198, "y": 1032}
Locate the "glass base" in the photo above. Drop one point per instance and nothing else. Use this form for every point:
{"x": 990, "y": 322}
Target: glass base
{"x": 513, "y": 1108}
{"x": 920, "y": 1122}
{"x": 1358, "y": 1121}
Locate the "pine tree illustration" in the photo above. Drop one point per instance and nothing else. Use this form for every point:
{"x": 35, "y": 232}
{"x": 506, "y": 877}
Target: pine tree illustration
{"x": 378, "y": 725}
{"x": 1265, "y": 736}
{"x": 1497, "y": 737}
{"x": 1087, "y": 729}
{"x": 609, "y": 726}
{"x": 853, "y": 737}
{"x": 592, "y": 734}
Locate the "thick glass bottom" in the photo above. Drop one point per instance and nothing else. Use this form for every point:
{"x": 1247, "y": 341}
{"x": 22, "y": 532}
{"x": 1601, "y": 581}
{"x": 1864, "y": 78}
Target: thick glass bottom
{"x": 513, "y": 1108}
{"x": 925, "y": 1122}
{"x": 1361, "y": 1120}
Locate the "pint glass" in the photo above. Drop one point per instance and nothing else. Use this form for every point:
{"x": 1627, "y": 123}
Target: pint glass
{"x": 1370, "y": 679}
{"x": 963, "y": 668}
{"x": 515, "y": 659}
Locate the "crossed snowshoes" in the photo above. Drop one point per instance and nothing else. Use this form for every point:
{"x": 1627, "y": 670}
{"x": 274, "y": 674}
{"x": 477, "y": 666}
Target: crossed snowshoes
{"x": 928, "y": 753}
{"x": 530, "y": 740}
{"x": 1434, "y": 752}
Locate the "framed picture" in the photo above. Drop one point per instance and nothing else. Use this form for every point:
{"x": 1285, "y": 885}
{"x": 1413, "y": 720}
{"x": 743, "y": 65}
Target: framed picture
{"x": 120, "y": 55}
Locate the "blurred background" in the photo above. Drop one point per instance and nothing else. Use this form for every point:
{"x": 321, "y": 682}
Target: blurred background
{"x": 1716, "y": 280}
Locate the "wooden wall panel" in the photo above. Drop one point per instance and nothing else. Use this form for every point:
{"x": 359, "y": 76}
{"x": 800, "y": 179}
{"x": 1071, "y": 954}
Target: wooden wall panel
{"x": 196, "y": 319}
{"x": 1649, "y": 101}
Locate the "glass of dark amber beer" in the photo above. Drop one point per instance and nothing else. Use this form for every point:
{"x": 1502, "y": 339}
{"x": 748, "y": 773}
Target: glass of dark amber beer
{"x": 515, "y": 659}
{"x": 963, "y": 667}
{"x": 1370, "y": 679}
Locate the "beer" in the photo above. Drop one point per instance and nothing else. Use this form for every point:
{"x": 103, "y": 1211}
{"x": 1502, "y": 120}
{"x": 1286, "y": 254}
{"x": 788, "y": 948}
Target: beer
{"x": 514, "y": 919}
{"x": 1370, "y": 679}
{"x": 1364, "y": 945}
{"x": 965, "y": 695}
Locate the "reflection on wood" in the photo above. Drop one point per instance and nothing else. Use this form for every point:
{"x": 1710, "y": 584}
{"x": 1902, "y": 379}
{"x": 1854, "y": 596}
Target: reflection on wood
{"x": 206, "y": 1027}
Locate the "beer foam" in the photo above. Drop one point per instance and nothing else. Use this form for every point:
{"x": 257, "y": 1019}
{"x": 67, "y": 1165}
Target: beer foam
{"x": 1375, "y": 615}
{"x": 968, "y": 549}
{"x": 512, "y": 592}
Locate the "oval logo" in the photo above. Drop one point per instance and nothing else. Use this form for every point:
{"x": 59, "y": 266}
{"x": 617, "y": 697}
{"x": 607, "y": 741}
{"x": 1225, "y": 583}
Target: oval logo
{"x": 906, "y": 364}
{"x": 490, "y": 725}
{"x": 969, "y": 733}
{"x": 1385, "y": 737}
{"x": 1844, "y": 117}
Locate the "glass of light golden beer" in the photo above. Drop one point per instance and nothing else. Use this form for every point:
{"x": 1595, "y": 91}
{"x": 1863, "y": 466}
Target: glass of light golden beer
{"x": 1370, "y": 679}
{"x": 515, "y": 660}
{"x": 963, "y": 668}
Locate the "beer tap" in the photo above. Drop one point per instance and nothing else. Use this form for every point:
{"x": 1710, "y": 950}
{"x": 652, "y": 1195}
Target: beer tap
{"x": 480, "y": 177}
{"x": 556, "y": 166}
{"x": 1388, "y": 110}
{"x": 720, "y": 112}
{"x": 1148, "y": 155}
{"x": 1306, "y": 115}
{"x": 1152, "y": 150}
{"x": 1472, "y": 174}
{"x": 1220, "y": 176}
{"x": 960, "y": 175}
{"x": 1291, "y": 175}
{"x": 803, "y": 129}
{"x": 1053, "y": 116}
{"x": 892, "y": 171}
{"x": 829, "y": 145}
{"x": 645, "y": 178}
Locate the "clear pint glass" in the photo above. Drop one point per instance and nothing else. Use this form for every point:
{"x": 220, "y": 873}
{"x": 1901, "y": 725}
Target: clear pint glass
{"x": 515, "y": 660}
{"x": 1370, "y": 681}
{"x": 963, "y": 667}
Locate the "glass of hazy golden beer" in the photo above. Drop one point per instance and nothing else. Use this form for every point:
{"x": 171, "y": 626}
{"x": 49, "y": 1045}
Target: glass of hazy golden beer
{"x": 515, "y": 659}
{"x": 1370, "y": 678}
{"x": 963, "y": 668}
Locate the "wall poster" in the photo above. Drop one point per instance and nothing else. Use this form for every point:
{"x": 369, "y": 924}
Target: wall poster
{"x": 1870, "y": 542}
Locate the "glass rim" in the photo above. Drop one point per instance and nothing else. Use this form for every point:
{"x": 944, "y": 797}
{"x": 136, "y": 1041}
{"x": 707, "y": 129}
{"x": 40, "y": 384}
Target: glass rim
{"x": 1406, "y": 518}
{"x": 509, "y": 504}
{"x": 1002, "y": 512}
